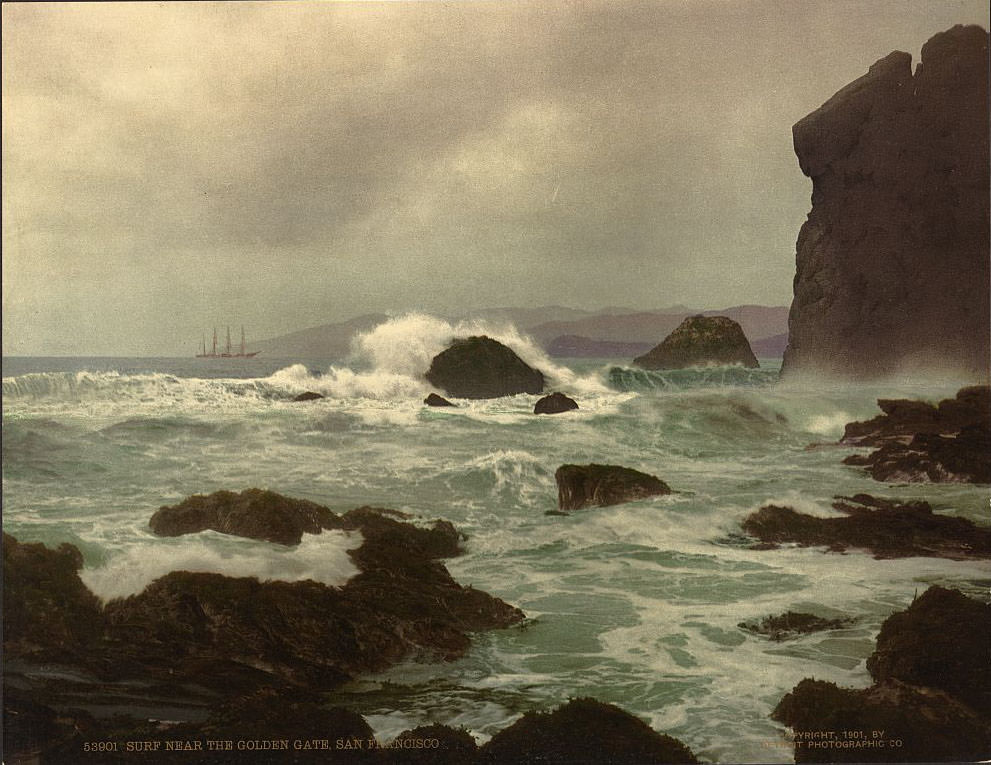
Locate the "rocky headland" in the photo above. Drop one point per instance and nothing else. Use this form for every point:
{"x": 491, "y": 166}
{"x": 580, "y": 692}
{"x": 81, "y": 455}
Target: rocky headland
{"x": 931, "y": 698}
{"x": 893, "y": 261}
{"x": 480, "y": 367}
{"x": 698, "y": 341}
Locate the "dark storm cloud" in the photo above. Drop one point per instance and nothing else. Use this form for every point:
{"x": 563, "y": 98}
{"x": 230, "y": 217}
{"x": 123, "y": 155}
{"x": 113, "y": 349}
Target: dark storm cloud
{"x": 296, "y": 163}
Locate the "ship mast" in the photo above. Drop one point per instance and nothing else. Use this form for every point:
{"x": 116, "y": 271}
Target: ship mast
{"x": 228, "y": 340}
{"x": 242, "y": 339}
{"x": 214, "y": 353}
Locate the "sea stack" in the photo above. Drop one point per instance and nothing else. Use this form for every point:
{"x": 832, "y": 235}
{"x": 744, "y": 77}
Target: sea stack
{"x": 698, "y": 341}
{"x": 480, "y": 367}
{"x": 892, "y": 263}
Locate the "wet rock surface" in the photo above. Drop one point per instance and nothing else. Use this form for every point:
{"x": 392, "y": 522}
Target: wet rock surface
{"x": 480, "y": 367}
{"x": 701, "y": 340}
{"x": 582, "y": 486}
{"x": 791, "y": 624}
{"x": 434, "y": 400}
{"x": 555, "y": 403}
{"x": 886, "y": 528}
{"x": 254, "y": 513}
{"x": 308, "y": 396}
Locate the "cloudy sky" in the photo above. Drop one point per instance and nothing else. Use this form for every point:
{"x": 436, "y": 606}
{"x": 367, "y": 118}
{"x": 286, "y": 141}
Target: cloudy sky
{"x": 170, "y": 167}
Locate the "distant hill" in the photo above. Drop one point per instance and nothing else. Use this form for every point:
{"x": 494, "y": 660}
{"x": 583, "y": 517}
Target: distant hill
{"x": 562, "y": 331}
{"x": 328, "y": 341}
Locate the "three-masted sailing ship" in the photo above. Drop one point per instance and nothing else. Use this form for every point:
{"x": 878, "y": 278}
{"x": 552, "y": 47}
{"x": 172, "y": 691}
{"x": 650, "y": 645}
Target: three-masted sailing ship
{"x": 227, "y": 353}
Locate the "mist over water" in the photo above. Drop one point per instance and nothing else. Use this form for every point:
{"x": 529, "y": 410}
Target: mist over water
{"x": 636, "y": 604}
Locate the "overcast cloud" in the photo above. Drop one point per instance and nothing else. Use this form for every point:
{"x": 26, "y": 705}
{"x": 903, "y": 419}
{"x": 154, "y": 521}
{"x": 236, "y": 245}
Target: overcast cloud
{"x": 171, "y": 167}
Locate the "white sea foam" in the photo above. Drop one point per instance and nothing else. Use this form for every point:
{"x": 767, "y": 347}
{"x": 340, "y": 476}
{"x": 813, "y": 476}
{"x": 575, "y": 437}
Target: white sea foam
{"x": 320, "y": 557}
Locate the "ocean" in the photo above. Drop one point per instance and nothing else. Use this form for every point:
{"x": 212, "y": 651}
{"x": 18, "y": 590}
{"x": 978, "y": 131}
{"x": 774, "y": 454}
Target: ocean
{"x": 635, "y": 604}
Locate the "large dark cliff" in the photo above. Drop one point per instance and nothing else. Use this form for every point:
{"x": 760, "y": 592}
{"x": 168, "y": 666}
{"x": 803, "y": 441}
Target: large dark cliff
{"x": 892, "y": 263}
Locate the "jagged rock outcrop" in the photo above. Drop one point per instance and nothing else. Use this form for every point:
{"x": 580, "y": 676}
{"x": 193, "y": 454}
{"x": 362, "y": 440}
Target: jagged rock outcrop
{"x": 699, "y": 341}
{"x": 555, "y": 403}
{"x": 893, "y": 263}
{"x": 922, "y": 442}
{"x": 887, "y": 529}
{"x": 254, "y": 513}
{"x": 581, "y": 486}
{"x": 583, "y": 731}
{"x": 931, "y": 701}
{"x": 480, "y": 367}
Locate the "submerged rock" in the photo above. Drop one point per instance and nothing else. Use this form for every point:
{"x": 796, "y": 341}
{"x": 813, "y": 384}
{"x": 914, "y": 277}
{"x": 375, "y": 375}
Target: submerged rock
{"x": 583, "y": 731}
{"x": 434, "y": 400}
{"x": 883, "y": 527}
{"x": 791, "y": 625}
{"x": 480, "y": 367}
{"x": 701, "y": 340}
{"x": 555, "y": 403}
{"x": 254, "y": 513}
{"x": 892, "y": 263}
{"x": 581, "y": 486}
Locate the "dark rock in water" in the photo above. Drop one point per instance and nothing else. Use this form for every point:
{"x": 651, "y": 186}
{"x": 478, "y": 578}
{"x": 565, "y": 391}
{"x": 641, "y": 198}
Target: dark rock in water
{"x": 583, "y": 731}
{"x": 893, "y": 261}
{"x": 701, "y": 340}
{"x": 885, "y": 528}
{"x": 929, "y": 725}
{"x": 480, "y": 367}
{"x": 254, "y": 513}
{"x": 581, "y": 486}
{"x": 555, "y": 403}
{"x": 929, "y": 457}
{"x": 434, "y": 400}
{"x": 791, "y": 625}
{"x": 923, "y": 442}
{"x": 48, "y": 613}
{"x": 307, "y": 396}
{"x": 904, "y": 418}
{"x": 432, "y": 745}
{"x": 941, "y": 641}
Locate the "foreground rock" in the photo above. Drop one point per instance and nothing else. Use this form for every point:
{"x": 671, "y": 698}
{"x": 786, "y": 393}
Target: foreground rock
{"x": 698, "y": 341}
{"x": 581, "y": 486}
{"x": 555, "y": 403}
{"x": 883, "y": 527}
{"x": 941, "y": 641}
{"x": 224, "y": 634}
{"x": 791, "y": 625}
{"x": 254, "y": 513}
{"x": 893, "y": 262}
{"x": 480, "y": 367}
{"x": 931, "y": 698}
{"x": 922, "y": 442}
{"x": 583, "y": 731}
